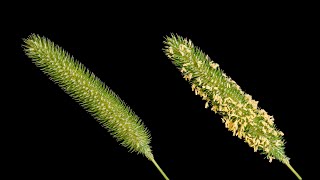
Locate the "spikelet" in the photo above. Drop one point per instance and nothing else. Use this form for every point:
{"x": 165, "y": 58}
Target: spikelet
{"x": 240, "y": 113}
{"x": 92, "y": 94}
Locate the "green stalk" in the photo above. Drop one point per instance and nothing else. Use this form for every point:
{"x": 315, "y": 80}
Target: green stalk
{"x": 294, "y": 171}
{"x": 91, "y": 93}
{"x": 159, "y": 168}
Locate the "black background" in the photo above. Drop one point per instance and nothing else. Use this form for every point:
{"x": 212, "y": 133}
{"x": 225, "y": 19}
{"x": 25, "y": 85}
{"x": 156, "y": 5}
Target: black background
{"x": 49, "y": 135}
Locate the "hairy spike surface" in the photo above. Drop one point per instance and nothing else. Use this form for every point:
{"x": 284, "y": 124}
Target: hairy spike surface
{"x": 93, "y": 95}
{"x": 240, "y": 113}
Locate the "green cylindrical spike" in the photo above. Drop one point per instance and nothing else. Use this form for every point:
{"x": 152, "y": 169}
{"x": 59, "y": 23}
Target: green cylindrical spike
{"x": 93, "y": 95}
{"x": 239, "y": 111}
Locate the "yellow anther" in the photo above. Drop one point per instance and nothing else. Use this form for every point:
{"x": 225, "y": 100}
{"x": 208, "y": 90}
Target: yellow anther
{"x": 170, "y": 50}
{"x": 183, "y": 70}
{"x": 193, "y": 87}
{"x": 207, "y": 104}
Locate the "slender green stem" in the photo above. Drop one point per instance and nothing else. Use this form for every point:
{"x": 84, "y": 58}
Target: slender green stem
{"x": 294, "y": 171}
{"x": 159, "y": 168}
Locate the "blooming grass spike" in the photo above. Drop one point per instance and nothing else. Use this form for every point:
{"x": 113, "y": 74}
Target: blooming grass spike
{"x": 240, "y": 113}
{"x": 92, "y": 94}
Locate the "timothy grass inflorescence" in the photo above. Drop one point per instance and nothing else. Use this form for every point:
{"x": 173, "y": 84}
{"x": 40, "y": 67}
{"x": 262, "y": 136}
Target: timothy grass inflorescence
{"x": 92, "y": 94}
{"x": 240, "y": 112}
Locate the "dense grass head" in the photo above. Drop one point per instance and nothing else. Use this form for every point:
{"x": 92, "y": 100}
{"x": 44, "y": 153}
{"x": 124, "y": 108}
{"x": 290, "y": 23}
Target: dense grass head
{"x": 92, "y": 94}
{"x": 240, "y": 113}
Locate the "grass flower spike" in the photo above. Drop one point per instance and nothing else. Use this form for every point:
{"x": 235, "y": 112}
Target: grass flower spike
{"x": 240, "y": 113}
{"x": 93, "y": 95}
